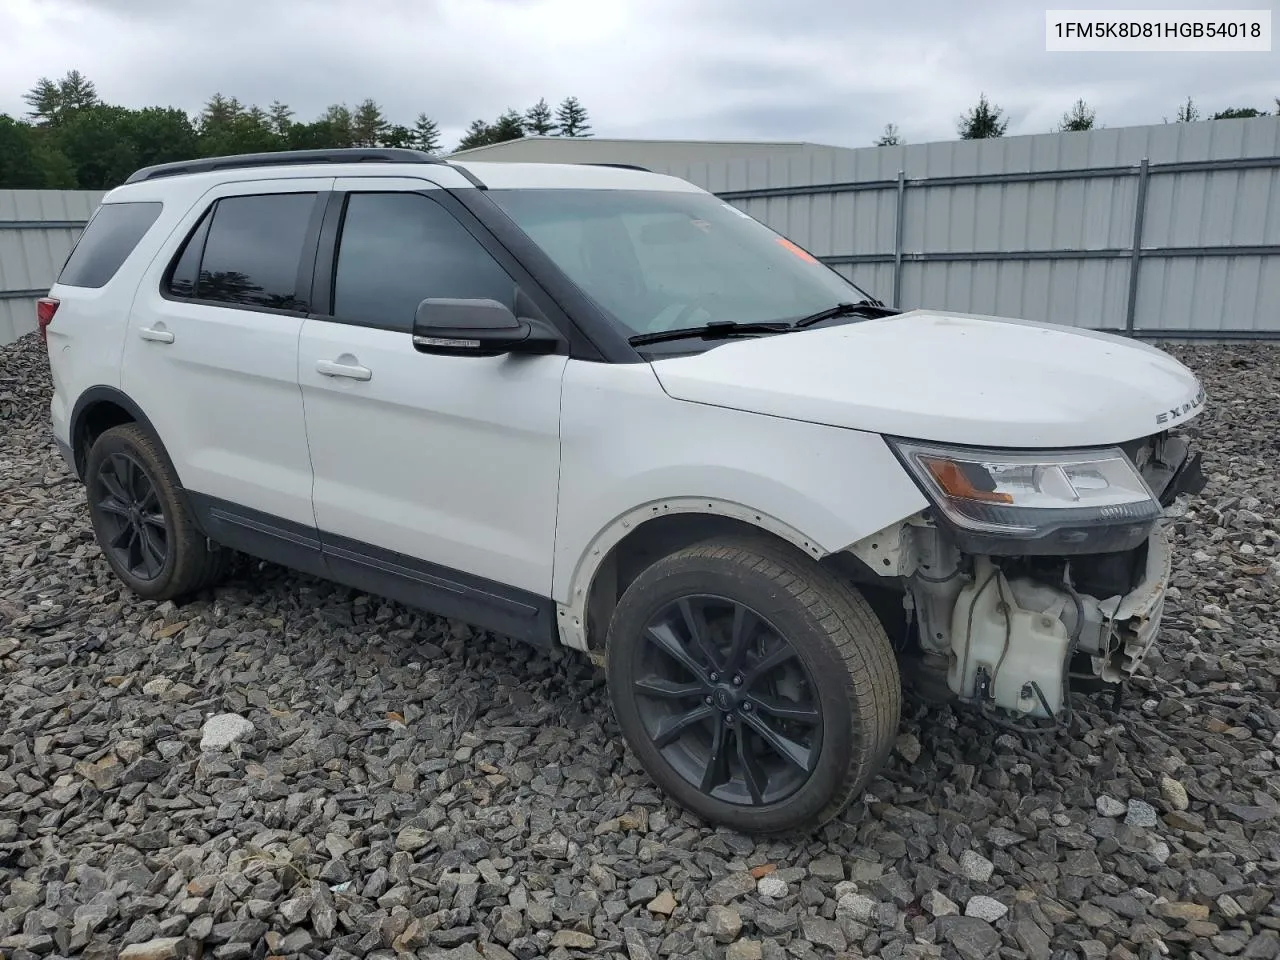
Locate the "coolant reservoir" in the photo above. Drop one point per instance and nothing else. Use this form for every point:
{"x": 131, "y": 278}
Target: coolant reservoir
{"x": 1015, "y": 647}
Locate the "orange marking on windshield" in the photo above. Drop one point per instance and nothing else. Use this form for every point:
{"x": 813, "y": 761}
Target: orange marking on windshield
{"x": 802, "y": 254}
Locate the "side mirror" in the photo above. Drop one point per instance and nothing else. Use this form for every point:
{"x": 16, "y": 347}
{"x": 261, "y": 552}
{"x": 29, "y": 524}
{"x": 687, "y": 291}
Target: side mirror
{"x": 478, "y": 328}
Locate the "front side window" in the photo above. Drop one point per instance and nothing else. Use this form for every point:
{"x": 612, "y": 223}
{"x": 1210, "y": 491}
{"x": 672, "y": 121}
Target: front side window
{"x": 398, "y": 249}
{"x": 106, "y": 242}
{"x": 661, "y": 260}
{"x": 249, "y": 249}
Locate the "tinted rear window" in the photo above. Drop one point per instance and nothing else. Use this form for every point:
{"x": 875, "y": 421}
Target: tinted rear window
{"x": 253, "y": 251}
{"x": 107, "y": 242}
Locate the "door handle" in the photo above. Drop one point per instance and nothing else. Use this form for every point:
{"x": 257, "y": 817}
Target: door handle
{"x": 159, "y": 336}
{"x": 332, "y": 368}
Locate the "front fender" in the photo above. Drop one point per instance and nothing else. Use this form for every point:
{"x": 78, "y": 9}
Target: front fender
{"x": 822, "y": 488}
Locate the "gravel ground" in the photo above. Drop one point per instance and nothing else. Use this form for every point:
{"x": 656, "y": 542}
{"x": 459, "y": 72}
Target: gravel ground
{"x": 408, "y": 786}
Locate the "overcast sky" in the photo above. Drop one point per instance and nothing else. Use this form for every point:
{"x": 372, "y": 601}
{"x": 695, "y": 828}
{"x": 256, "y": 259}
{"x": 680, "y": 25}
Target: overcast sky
{"x": 830, "y": 71}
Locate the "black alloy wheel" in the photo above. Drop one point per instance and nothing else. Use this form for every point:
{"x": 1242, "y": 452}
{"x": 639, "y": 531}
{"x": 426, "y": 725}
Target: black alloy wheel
{"x": 134, "y": 526}
{"x": 142, "y": 519}
{"x": 727, "y": 701}
{"x": 754, "y": 685}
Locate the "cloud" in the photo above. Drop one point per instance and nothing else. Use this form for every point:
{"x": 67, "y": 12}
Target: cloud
{"x": 822, "y": 70}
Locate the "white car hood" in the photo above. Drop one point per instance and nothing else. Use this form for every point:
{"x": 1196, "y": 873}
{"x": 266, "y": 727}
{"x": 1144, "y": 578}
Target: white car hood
{"x": 954, "y": 378}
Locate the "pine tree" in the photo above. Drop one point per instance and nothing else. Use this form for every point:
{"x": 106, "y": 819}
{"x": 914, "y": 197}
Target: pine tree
{"x": 1079, "y": 117}
{"x": 426, "y": 134}
{"x": 77, "y": 91}
{"x": 368, "y": 124}
{"x": 538, "y": 121}
{"x": 45, "y": 101}
{"x": 983, "y": 121}
{"x": 890, "y": 137}
{"x": 281, "y": 117}
{"x": 571, "y": 117}
{"x": 52, "y": 102}
{"x": 1188, "y": 112}
{"x": 397, "y": 135}
{"x": 218, "y": 113}
{"x": 509, "y": 126}
{"x": 339, "y": 125}
{"x": 479, "y": 134}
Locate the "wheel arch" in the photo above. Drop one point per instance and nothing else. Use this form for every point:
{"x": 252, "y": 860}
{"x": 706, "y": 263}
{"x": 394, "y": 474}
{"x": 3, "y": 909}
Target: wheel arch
{"x": 632, "y": 541}
{"x": 97, "y": 410}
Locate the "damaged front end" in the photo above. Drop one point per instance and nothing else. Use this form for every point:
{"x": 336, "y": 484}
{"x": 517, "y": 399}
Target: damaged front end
{"x": 1036, "y": 571}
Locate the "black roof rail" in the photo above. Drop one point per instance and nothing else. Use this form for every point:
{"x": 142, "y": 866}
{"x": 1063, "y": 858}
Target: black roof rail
{"x": 620, "y": 166}
{"x": 282, "y": 157}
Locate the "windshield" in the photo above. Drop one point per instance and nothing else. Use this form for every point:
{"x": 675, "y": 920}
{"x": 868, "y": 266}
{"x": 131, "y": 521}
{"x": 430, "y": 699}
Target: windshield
{"x": 659, "y": 260}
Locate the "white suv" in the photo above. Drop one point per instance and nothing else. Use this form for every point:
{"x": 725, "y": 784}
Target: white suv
{"x": 599, "y": 407}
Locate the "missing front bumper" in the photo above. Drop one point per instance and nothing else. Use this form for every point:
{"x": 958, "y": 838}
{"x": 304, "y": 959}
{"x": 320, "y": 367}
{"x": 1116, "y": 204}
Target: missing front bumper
{"x": 1013, "y": 637}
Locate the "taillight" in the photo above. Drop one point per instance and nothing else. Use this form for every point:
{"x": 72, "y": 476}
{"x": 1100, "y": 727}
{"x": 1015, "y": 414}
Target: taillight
{"x": 46, "y": 307}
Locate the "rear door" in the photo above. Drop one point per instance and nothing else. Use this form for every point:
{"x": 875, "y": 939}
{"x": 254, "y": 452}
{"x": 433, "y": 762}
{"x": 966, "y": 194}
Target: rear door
{"x": 435, "y": 476}
{"x": 211, "y": 357}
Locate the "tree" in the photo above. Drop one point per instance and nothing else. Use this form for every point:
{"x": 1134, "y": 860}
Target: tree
{"x": 509, "y": 126}
{"x": 258, "y": 117}
{"x": 368, "y": 125}
{"x": 1188, "y": 112}
{"x": 479, "y": 134}
{"x": 1238, "y": 113}
{"x": 77, "y": 91}
{"x": 538, "y": 121}
{"x": 70, "y": 139}
{"x": 226, "y": 127}
{"x": 44, "y": 100}
{"x": 159, "y": 135}
{"x": 397, "y": 135}
{"x": 281, "y": 118}
{"x": 571, "y": 117}
{"x": 983, "y": 121}
{"x": 52, "y": 102}
{"x": 1079, "y": 117}
{"x": 29, "y": 160}
{"x": 890, "y": 137}
{"x": 93, "y": 140}
{"x": 19, "y": 169}
{"x": 53, "y": 164}
{"x": 426, "y": 134}
{"x": 218, "y": 113}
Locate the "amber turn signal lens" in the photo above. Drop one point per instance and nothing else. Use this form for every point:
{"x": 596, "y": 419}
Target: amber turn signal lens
{"x": 954, "y": 483}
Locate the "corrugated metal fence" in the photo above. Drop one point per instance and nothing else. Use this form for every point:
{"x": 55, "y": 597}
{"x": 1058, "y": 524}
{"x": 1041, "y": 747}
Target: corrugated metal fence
{"x": 37, "y": 229}
{"x": 1171, "y": 230}
{"x": 1165, "y": 230}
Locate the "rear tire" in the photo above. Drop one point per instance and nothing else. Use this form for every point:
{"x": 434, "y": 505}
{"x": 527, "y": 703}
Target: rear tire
{"x": 758, "y": 690}
{"x": 141, "y": 520}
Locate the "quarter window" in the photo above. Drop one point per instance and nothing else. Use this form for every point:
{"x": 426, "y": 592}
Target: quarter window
{"x": 398, "y": 249}
{"x": 106, "y": 243}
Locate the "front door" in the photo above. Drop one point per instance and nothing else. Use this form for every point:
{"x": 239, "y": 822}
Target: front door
{"x": 435, "y": 476}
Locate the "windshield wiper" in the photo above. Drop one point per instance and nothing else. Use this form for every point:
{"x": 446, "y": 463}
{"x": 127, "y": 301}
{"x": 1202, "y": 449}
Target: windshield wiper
{"x": 873, "y": 307}
{"x": 716, "y": 330}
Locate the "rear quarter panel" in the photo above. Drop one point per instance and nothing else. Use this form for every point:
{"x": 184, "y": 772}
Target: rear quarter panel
{"x": 87, "y": 337}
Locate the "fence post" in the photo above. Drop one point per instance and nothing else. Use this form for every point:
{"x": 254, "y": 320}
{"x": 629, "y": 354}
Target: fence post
{"x": 1135, "y": 256}
{"x": 897, "y": 239}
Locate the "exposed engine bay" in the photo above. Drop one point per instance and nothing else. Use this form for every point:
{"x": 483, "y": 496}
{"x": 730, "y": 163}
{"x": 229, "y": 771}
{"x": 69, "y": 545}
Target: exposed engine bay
{"x": 1015, "y": 631}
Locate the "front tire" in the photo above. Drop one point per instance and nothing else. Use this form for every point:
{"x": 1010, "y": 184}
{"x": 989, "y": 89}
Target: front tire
{"x": 141, "y": 521}
{"x": 757, "y": 689}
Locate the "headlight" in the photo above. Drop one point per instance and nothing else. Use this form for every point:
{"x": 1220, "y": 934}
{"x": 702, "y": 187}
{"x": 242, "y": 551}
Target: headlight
{"x": 1082, "y": 501}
